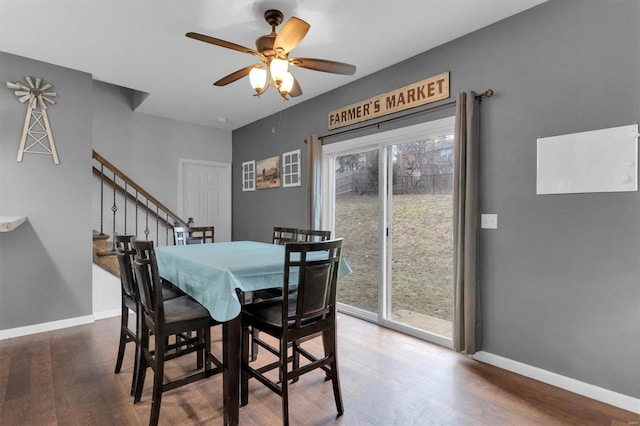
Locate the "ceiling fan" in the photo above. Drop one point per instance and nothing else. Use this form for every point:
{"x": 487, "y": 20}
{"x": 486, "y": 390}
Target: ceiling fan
{"x": 273, "y": 52}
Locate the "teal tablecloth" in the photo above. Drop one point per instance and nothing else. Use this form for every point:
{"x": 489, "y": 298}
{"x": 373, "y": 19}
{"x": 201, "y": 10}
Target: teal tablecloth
{"x": 210, "y": 273}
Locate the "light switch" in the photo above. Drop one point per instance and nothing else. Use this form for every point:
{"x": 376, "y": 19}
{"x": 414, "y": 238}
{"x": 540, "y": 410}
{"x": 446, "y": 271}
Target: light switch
{"x": 489, "y": 221}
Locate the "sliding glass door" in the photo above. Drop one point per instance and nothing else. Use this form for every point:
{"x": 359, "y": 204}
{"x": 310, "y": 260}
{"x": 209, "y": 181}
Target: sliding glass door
{"x": 420, "y": 240}
{"x": 390, "y": 197}
{"x": 356, "y": 212}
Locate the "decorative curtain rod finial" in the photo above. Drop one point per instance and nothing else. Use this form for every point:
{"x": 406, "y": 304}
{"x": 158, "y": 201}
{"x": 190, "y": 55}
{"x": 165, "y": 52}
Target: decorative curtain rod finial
{"x": 487, "y": 93}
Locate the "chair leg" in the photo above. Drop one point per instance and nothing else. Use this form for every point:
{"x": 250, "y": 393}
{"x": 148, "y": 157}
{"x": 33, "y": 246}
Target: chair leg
{"x": 158, "y": 378}
{"x": 206, "y": 352}
{"x": 254, "y": 346}
{"x": 330, "y": 347}
{"x": 138, "y": 354}
{"x": 337, "y": 395}
{"x": 124, "y": 319}
{"x": 284, "y": 376}
{"x": 296, "y": 359}
{"x": 200, "y": 354}
{"x": 244, "y": 373}
{"x": 142, "y": 362}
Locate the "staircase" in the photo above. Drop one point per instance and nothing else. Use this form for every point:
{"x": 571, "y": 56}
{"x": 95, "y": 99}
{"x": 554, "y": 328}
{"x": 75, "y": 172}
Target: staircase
{"x": 103, "y": 256}
{"x": 127, "y": 209}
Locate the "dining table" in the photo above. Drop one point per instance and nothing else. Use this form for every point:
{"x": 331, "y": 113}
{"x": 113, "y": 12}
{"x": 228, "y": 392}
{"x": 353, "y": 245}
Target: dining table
{"x": 214, "y": 274}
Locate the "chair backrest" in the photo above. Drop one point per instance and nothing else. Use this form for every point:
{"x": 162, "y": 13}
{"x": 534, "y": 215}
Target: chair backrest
{"x": 181, "y": 234}
{"x": 125, "y": 254}
{"x": 310, "y": 235}
{"x": 281, "y": 235}
{"x": 147, "y": 278}
{"x": 206, "y": 233}
{"x": 193, "y": 240}
{"x": 316, "y": 266}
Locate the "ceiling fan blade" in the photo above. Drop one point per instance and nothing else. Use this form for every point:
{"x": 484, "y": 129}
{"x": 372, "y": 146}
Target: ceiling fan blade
{"x": 296, "y": 90}
{"x": 237, "y": 75}
{"x": 224, "y": 43}
{"x": 291, "y": 33}
{"x": 323, "y": 65}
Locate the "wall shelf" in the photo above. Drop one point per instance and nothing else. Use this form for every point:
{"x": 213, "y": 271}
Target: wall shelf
{"x": 9, "y": 223}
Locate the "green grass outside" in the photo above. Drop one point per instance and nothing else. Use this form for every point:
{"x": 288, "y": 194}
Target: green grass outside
{"x": 422, "y": 265}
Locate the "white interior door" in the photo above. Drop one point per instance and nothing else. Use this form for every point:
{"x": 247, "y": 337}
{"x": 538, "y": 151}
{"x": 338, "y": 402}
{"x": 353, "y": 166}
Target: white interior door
{"x": 204, "y": 194}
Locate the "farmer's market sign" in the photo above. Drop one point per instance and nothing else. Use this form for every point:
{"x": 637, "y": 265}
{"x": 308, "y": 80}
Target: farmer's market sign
{"x": 419, "y": 93}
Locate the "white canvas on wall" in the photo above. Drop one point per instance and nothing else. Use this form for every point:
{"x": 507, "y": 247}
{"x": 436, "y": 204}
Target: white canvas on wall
{"x": 604, "y": 160}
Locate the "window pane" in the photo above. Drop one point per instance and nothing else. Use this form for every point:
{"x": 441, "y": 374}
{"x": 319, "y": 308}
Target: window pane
{"x": 356, "y": 220}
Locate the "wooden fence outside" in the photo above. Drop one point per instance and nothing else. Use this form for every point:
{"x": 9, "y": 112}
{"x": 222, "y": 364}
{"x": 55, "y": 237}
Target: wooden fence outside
{"x": 361, "y": 182}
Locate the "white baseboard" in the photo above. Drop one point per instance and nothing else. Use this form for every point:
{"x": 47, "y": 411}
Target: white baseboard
{"x": 48, "y": 326}
{"x": 106, "y": 304}
{"x": 107, "y": 314}
{"x": 57, "y": 325}
{"x": 581, "y": 388}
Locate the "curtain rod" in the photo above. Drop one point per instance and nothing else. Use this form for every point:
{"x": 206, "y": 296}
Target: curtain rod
{"x": 487, "y": 93}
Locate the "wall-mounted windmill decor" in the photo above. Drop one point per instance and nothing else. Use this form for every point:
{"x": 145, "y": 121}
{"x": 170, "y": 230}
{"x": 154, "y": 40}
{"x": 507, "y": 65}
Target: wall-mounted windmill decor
{"x": 37, "y": 137}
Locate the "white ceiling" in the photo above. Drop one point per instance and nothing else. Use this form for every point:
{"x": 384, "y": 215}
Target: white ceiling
{"x": 141, "y": 44}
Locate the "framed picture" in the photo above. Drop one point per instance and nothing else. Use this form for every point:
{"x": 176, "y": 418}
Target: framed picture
{"x": 249, "y": 176}
{"x": 268, "y": 173}
{"x": 291, "y": 168}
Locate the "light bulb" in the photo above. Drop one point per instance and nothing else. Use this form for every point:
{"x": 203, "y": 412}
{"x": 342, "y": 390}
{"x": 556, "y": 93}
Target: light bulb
{"x": 287, "y": 83}
{"x": 278, "y": 69}
{"x": 258, "y": 78}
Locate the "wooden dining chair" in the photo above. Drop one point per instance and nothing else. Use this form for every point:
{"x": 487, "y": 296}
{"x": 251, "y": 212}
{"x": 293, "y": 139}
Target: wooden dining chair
{"x": 180, "y": 234}
{"x": 310, "y": 311}
{"x": 164, "y": 318}
{"x": 188, "y": 235}
{"x": 282, "y": 235}
{"x": 130, "y": 303}
{"x": 310, "y": 235}
{"x": 206, "y": 233}
{"x": 193, "y": 240}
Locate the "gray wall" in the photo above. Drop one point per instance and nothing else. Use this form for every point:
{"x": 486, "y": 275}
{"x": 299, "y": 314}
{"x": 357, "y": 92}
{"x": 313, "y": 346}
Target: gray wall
{"x": 45, "y": 264}
{"x": 146, "y": 147}
{"x": 560, "y": 275}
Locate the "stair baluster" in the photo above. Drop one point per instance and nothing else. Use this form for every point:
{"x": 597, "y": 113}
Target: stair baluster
{"x": 127, "y": 191}
{"x": 114, "y": 209}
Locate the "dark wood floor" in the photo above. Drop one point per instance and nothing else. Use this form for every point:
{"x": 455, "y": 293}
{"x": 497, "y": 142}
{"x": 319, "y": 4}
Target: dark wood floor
{"x": 65, "y": 377}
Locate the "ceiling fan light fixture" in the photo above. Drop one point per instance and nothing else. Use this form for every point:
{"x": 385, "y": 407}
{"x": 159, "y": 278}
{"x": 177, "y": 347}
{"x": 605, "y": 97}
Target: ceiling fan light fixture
{"x": 287, "y": 83}
{"x": 258, "y": 79}
{"x": 273, "y": 52}
{"x": 278, "y": 68}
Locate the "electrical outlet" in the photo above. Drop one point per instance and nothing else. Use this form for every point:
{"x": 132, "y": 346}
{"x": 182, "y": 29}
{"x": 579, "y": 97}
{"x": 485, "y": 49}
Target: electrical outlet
{"x": 489, "y": 221}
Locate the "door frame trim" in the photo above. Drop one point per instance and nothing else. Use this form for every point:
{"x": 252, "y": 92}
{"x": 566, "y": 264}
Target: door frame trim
{"x": 371, "y": 142}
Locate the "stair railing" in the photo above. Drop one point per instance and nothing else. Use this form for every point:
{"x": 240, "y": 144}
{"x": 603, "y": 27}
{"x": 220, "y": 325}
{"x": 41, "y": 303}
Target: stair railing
{"x": 131, "y": 203}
